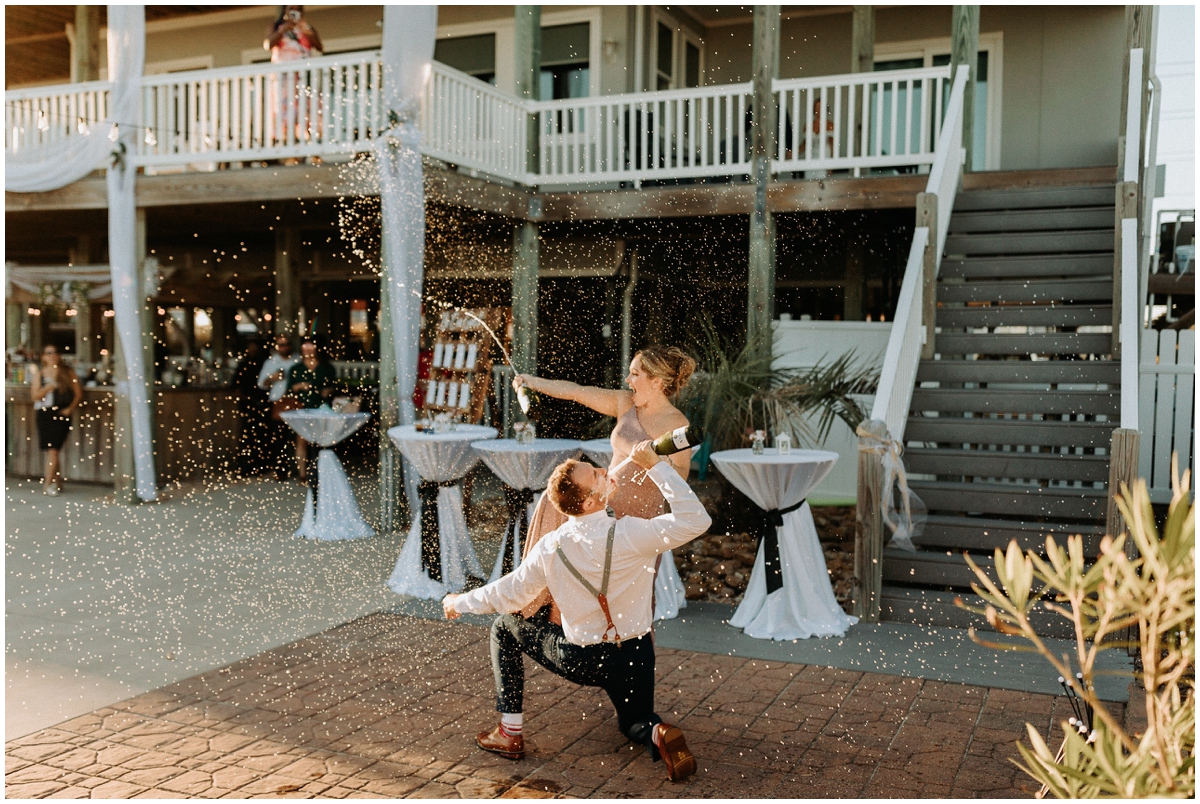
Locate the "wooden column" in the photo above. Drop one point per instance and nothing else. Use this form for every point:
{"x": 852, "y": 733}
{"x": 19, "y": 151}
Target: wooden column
{"x": 527, "y": 53}
{"x": 1139, "y": 28}
{"x": 862, "y": 40}
{"x": 964, "y": 49}
{"x": 852, "y": 298}
{"x": 1126, "y": 207}
{"x": 927, "y": 215}
{"x": 85, "y": 45}
{"x": 287, "y": 285}
{"x": 1122, "y": 469}
{"x": 525, "y": 297}
{"x": 761, "y": 279}
{"x": 869, "y": 530}
{"x": 85, "y": 348}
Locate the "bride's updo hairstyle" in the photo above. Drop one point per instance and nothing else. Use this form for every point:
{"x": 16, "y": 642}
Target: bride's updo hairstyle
{"x": 670, "y": 364}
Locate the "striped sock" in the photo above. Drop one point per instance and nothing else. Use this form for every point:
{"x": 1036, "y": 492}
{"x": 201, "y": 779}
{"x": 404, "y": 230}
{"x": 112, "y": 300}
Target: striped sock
{"x": 512, "y": 724}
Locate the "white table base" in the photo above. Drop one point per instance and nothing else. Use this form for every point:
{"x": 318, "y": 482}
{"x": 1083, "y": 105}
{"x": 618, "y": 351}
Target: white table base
{"x": 458, "y": 554}
{"x": 337, "y": 515}
{"x": 505, "y": 543}
{"x": 801, "y": 608}
{"x": 669, "y": 593}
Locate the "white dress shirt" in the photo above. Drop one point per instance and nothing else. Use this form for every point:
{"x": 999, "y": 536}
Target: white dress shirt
{"x": 272, "y": 364}
{"x": 583, "y": 540}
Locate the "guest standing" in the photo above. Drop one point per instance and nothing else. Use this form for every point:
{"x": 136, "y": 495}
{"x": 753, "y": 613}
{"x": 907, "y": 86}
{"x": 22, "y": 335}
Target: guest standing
{"x": 311, "y": 383}
{"x": 272, "y": 377}
{"x": 291, "y": 38}
{"x": 56, "y": 393}
{"x": 252, "y": 410}
{"x": 645, "y": 411}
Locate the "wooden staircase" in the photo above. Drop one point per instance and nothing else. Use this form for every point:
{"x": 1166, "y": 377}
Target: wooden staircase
{"x": 1010, "y": 423}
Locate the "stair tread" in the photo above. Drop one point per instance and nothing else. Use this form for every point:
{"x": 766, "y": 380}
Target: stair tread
{"x": 1066, "y": 218}
{"x": 1008, "y": 488}
{"x": 1034, "y": 197}
{"x": 1020, "y": 371}
{"x": 985, "y": 523}
{"x": 1023, "y": 265}
{"x": 1066, "y": 457}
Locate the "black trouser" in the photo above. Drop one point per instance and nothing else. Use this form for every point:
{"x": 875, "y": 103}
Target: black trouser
{"x": 625, "y": 671}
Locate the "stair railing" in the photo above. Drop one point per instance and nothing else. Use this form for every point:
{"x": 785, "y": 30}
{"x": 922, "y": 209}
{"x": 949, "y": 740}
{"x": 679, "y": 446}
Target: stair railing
{"x": 910, "y": 340}
{"x": 1124, "y": 446}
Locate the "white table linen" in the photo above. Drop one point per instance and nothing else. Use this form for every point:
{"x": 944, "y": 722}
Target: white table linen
{"x": 523, "y": 466}
{"x": 805, "y": 605}
{"x": 599, "y": 450}
{"x": 336, "y": 515}
{"x": 439, "y": 457}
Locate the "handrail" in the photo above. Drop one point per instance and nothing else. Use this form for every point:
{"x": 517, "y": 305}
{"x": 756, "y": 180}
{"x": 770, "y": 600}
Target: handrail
{"x": 904, "y": 344}
{"x": 258, "y": 68}
{"x": 1130, "y": 319}
{"x": 33, "y": 93}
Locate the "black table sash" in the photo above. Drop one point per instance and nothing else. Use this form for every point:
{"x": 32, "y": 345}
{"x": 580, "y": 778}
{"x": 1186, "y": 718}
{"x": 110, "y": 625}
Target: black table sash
{"x": 431, "y": 535}
{"x": 312, "y": 462}
{"x": 518, "y": 501}
{"x": 768, "y": 536}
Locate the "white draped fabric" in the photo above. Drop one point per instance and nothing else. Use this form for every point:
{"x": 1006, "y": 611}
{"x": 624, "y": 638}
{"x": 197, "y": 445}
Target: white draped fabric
{"x": 408, "y": 37}
{"x": 441, "y": 457}
{"x": 66, "y": 161}
{"x": 523, "y": 466}
{"x": 336, "y": 515}
{"x": 805, "y": 605}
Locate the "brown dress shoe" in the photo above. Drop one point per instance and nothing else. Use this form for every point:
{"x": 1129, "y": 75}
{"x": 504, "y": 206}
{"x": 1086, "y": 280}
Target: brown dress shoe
{"x": 510, "y": 747}
{"x": 674, "y": 752}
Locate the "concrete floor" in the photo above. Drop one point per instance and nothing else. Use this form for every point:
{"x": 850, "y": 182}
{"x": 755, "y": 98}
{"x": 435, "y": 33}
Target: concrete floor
{"x": 105, "y": 601}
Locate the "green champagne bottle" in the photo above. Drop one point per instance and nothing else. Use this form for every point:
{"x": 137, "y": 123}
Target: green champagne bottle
{"x": 679, "y": 439}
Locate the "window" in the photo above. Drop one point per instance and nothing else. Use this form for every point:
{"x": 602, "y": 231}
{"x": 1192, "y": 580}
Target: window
{"x": 678, "y": 56}
{"x": 989, "y": 72}
{"x": 473, "y": 55}
{"x": 566, "y": 50}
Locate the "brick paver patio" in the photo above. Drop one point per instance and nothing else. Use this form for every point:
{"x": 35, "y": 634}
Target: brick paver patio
{"x": 388, "y": 706}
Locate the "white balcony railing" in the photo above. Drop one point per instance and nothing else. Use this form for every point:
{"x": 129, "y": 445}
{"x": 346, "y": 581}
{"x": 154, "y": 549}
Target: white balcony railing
{"x": 42, "y": 115}
{"x": 869, "y": 120}
{"x": 332, "y": 105}
{"x": 680, "y": 133}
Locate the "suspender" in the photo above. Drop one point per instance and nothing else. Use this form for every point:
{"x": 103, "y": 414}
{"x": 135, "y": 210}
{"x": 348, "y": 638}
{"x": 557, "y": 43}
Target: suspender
{"x": 601, "y": 595}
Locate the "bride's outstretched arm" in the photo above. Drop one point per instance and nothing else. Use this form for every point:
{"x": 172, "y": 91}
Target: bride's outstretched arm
{"x": 604, "y": 401}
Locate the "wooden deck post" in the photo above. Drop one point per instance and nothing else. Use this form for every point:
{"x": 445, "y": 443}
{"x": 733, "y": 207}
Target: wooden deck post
{"x": 287, "y": 287}
{"x": 761, "y": 279}
{"x": 85, "y": 348}
{"x": 868, "y": 533}
{"x": 1122, "y": 469}
{"x": 85, "y": 45}
{"x": 527, "y": 50}
{"x": 964, "y": 49}
{"x": 927, "y": 215}
{"x": 862, "y": 39}
{"x": 852, "y": 296}
{"x": 1126, "y": 207}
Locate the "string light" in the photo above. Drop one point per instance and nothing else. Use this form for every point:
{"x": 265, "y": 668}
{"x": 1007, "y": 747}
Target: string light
{"x": 114, "y": 133}
{"x": 43, "y": 121}
{"x": 83, "y": 127}
{"x": 150, "y": 138}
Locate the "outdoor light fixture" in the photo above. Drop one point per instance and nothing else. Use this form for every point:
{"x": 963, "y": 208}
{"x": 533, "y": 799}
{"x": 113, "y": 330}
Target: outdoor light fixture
{"x": 610, "y": 49}
{"x": 109, "y": 313}
{"x": 34, "y": 311}
{"x": 71, "y": 311}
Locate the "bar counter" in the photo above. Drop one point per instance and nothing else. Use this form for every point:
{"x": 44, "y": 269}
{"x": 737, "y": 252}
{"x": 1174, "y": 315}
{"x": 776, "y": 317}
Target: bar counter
{"x": 196, "y": 432}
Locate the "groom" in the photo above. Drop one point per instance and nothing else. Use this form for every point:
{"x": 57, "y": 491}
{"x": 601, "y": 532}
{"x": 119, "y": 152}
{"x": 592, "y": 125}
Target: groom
{"x": 600, "y": 571}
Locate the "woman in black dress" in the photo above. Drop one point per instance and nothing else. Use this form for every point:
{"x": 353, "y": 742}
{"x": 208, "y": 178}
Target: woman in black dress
{"x": 56, "y": 393}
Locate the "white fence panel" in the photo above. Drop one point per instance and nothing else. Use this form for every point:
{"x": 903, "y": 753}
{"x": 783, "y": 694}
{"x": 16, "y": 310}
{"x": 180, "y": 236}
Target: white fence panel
{"x": 473, "y": 124}
{"x": 1166, "y": 407}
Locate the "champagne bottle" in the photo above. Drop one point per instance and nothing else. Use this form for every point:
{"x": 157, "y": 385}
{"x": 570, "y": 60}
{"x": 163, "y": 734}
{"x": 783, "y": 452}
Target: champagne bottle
{"x": 527, "y": 398}
{"x": 679, "y": 439}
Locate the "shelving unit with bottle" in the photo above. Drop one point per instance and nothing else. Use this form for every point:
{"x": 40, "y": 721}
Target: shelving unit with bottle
{"x": 461, "y": 371}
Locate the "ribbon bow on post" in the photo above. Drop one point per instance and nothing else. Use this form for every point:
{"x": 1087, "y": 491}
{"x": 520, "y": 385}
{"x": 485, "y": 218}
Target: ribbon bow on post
{"x": 518, "y": 501}
{"x": 768, "y": 537}
{"x": 905, "y": 524}
{"x": 431, "y": 537}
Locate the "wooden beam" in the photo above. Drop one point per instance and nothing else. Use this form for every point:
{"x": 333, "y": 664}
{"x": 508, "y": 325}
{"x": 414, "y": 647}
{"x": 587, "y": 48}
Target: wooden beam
{"x": 852, "y": 295}
{"x": 85, "y": 45}
{"x": 964, "y": 49}
{"x": 760, "y": 295}
{"x": 1139, "y": 28}
{"x": 287, "y": 289}
{"x": 1122, "y": 470}
{"x": 34, "y": 38}
{"x": 869, "y": 528}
